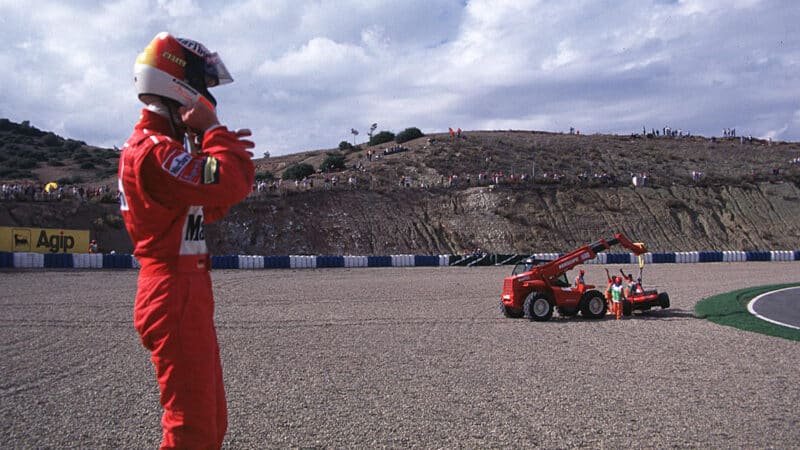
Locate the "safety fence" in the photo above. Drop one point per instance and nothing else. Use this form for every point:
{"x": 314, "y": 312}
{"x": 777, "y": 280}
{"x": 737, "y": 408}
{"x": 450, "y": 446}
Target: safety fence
{"x": 125, "y": 261}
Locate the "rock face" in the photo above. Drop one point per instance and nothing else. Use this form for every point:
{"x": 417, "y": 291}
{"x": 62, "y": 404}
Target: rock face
{"x": 513, "y": 220}
{"x": 763, "y": 216}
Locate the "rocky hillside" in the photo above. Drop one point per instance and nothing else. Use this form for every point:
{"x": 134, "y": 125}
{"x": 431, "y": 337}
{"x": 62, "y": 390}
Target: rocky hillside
{"x": 514, "y": 219}
{"x": 440, "y": 195}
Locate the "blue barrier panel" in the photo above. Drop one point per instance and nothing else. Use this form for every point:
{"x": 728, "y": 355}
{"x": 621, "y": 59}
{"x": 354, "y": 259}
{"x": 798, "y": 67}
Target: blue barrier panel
{"x": 58, "y": 260}
{"x": 797, "y": 255}
{"x": 125, "y": 261}
{"x": 379, "y": 261}
{"x": 426, "y": 261}
{"x": 6, "y": 259}
{"x": 618, "y": 258}
{"x": 117, "y": 261}
{"x": 277, "y": 262}
{"x": 661, "y": 258}
{"x": 49, "y": 260}
{"x": 757, "y": 256}
{"x": 710, "y": 257}
{"x": 330, "y": 261}
{"x": 229, "y": 261}
{"x": 216, "y": 262}
{"x": 108, "y": 261}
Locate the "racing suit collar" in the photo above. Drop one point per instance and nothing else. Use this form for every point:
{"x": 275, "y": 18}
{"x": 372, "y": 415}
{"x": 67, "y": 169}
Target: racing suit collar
{"x": 155, "y": 122}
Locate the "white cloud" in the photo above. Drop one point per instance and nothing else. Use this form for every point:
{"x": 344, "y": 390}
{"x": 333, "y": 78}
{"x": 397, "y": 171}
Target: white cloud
{"x": 307, "y": 71}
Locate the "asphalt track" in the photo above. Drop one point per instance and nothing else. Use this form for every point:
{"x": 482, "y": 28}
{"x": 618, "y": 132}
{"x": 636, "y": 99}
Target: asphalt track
{"x": 402, "y": 358}
{"x": 781, "y": 307}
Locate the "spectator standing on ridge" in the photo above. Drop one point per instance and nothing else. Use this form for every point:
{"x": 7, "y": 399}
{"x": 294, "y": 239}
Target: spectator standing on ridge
{"x": 167, "y": 193}
{"x": 92, "y": 246}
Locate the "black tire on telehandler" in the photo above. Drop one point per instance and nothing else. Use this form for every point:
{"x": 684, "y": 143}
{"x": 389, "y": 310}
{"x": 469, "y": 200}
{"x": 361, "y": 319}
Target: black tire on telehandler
{"x": 538, "y": 307}
{"x": 593, "y": 305}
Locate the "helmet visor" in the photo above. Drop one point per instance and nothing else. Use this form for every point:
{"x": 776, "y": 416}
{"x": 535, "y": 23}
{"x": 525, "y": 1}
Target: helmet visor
{"x": 215, "y": 71}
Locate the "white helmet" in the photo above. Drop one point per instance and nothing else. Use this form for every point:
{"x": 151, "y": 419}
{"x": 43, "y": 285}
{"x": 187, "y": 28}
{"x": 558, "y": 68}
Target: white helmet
{"x": 179, "y": 69}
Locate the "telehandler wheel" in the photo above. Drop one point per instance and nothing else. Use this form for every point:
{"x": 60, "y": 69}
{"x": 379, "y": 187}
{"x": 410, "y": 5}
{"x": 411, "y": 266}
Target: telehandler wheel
{"x": 510, "y": 312}
{"x": 663, "y": 300}
{"x": 538, "y": 307}
{"x": 593, "y": 305}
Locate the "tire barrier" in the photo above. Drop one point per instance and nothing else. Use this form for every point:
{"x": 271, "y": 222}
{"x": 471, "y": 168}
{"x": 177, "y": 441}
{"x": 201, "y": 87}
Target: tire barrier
{"x": 277, "y": 262}
{"x": 330, "y": 261}
{"x": 88, "y": 260}
{"x": 6, "y": 259}
{"x": 379, "y": 261}
{"x": 426, "y": 261}
{"x": 27, "y": 260}
{"x": 115, "y": 261}
{"x": 225, "y": 262}
{"x": 618, "y": 258}
{"x": 663, "y": 258}
{"x": 58, "y": 260}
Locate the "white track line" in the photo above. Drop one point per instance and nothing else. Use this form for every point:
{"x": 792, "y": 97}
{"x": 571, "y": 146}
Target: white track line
{"x": 751, "y": 304}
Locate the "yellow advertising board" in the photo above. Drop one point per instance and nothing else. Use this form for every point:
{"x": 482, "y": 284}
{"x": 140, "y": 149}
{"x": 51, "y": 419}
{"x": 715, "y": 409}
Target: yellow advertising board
{"x": 43, "y": 240}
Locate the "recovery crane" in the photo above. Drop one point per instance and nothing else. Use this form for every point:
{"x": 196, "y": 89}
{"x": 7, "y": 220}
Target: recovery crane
{"x": 536, "y": 290}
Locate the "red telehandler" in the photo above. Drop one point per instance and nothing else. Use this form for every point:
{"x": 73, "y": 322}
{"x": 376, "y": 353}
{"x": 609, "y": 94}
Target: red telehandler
{"x": 535, "y": 289}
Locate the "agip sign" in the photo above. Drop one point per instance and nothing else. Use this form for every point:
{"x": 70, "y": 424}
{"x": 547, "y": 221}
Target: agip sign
{"x": 43, "y": 240}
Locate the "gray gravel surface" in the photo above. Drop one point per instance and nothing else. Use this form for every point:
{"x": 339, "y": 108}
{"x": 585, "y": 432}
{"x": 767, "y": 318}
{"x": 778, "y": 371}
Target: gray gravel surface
{"x": 400, "y": 358}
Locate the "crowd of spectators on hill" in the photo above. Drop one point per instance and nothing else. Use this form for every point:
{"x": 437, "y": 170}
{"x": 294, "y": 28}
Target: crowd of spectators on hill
{"x": 358, "y": 176}
{"x": 38, "y": 192}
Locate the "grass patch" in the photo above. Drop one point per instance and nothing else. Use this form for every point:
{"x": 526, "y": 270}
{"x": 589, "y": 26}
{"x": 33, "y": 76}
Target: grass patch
{"x": 730, "y": 309}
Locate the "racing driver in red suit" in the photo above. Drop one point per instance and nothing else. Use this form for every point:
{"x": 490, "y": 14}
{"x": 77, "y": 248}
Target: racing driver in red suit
{"x": 168, "y": 191}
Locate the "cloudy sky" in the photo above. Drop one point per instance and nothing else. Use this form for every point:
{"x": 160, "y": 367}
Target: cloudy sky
{"x": 306, "y": 72}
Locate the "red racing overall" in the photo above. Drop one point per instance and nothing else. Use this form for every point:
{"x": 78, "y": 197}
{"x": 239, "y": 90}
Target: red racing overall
{"x": 166, "y": 196}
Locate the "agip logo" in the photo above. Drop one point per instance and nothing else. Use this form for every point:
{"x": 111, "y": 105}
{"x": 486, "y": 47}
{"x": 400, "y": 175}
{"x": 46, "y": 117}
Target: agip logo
{"x": 22, "y": 240}
{"x": 43, "y": 240}
{"x": 55, "y": 243}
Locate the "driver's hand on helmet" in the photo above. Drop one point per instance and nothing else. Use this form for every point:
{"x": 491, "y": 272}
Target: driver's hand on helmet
{"x": 198, "y": 116}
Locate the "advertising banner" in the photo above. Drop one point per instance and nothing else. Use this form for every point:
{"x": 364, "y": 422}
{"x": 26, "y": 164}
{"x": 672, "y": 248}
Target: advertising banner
{"x": 43, "y": 240}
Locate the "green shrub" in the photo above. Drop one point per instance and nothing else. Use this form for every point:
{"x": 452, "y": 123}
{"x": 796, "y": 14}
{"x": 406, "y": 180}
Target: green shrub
{"x": 265, "y": 176}
{"x": 345, "y": 146}
{"x": 87, "y": 165}
{"x": 298, "y": 171}
{"x": 71, "y": 145}
{"x": 332, "y": 162}
{"x": 381, "y": 138}
{"x": 51, "y": 140}
{"x": 408, "y": 134}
